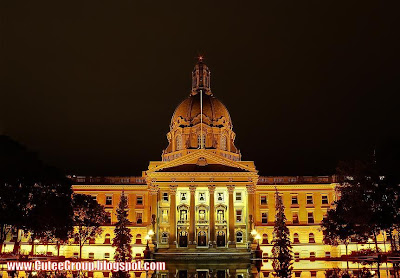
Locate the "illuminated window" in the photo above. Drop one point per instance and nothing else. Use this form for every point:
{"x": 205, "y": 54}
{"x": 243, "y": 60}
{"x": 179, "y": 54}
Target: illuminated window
{"x": 183, "y": 196}
{"x": 263, "y": 199}
{"x": 201, "y": 141}
{"x": 265, "y": 239}
{"x": 139, "y": 200}
{"x": 239, "y": 215}
{"x": 220, "y": 196}
{"x": 327, "y": 254}
{"x": 239, "y": 237}
{"x": 295, "y": 218}
{"x": 297, "y": 256}
{"x": 202, "y": 196}
{"x": 138, "y": 239}
{"x": 311, "y": 238}
{"x": 264, "y": 217}
{"x": 238, "y": 196}
{"x": 296, "y": 238}
{"x": 312, "y": 256}
{"x": 220, "y": 215}
{"x": 179, "y": 142}
{"x": 295, "y": 201}
{"x": 108, "y": 200}
{"x": 202, "y": 214}
{"x": 165, "y": 197}
{"x": 91, "y": 255}
{"x": 223, "y": 142}
{"x": 310, "y": 200}
{"x": 164, "y": 237}
{"x": 183, "y": 215}
{"x": 165, "y": 216}
{"x": 106, "y": 255}
{"x": 310, "y": 217}
{"x": 325, "y": 200}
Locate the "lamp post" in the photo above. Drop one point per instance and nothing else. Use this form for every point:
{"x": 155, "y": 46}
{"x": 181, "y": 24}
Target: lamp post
{"x": 258, "y": 237}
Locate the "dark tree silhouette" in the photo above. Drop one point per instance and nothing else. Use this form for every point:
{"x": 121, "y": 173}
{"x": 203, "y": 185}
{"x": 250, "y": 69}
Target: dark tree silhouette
{"x": 282, "y": 249}
{"x": 123, "y": 237}
{"x": 34, "y": 197}
{"x": 88, "y": 218}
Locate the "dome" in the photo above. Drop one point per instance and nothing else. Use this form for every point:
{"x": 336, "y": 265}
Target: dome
{"x": 214, "y": 111}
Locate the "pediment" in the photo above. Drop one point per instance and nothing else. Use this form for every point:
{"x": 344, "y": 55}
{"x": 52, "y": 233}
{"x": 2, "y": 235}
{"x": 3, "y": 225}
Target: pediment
{"x": 202, "y": 161}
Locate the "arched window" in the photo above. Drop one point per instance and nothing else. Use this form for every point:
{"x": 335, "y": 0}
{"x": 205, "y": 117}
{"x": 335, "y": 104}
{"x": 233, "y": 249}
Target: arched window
{"x": 201, "y": 141}
{"x": 107, "y": 239}
{"x": 178, "y": 142}
{"x": 311, "y": 238}
{"x": 164, "y": 238}
{"x": 223, "y": 142}
{"x": 265, "y": 239}
{"x": 138, "y": 239}
{"x": 296, "y": 238}
{"x": 239, "y": 237}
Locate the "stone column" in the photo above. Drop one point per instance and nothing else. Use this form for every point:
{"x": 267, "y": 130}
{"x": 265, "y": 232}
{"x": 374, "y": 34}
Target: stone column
{"x": 250, "y": 202}
{"x": 211, "y": 190}
{"x": 192, "y": 216}
{"x": 172, "y": 211}
{"x": 232, "y": 243}
{"x": 153, "y": 204}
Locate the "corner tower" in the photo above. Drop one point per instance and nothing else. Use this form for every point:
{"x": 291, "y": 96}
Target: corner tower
{"x": 201, "y": 121}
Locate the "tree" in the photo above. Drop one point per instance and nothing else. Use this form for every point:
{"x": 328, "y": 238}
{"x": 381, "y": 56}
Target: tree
{"x": 282, "y": 249}
{"x": 34, "y": 197}
{"x": 88, "y": 218}
{"x": 123, "y": 237}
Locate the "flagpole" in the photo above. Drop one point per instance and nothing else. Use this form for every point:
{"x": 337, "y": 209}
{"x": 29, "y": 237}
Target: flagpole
{"x": 201, "y": 118}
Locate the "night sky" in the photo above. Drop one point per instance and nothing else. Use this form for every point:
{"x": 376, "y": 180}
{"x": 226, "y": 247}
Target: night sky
{"x": 91, "y": 85}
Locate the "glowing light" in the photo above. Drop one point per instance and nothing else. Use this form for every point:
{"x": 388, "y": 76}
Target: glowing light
{"x": 147, "y": 237}
{"x": 150, "y": 232}
{"x": 253, "y": 232}
{"x": 258, "y": 237}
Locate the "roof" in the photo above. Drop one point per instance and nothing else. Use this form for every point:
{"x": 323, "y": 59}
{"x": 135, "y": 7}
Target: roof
{"x": 205, "y": 168}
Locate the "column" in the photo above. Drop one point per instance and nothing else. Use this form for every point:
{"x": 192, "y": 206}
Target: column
{"x": 153, "y": 205}
{"x": 211, "y": 190}
{"x": 250, "y": 204}
{"x": 231, "y": 188}
{"x": 192, "y": 216}
{"x": 172, "y": 211}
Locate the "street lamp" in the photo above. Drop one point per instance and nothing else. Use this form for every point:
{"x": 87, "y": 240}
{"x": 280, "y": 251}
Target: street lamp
{"x": 258, "y": 237}
{"x": 147, "y": 238}
{"x": 150, "y": 233}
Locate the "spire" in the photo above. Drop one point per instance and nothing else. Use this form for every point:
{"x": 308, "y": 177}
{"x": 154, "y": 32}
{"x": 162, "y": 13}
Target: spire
{"x": 201, "y": 77}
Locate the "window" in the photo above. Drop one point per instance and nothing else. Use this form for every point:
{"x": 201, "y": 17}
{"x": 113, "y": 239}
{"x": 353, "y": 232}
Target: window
{"x": 310, "y": 199}
{"x": 296, "y": 238}
{"x": 327, "y": 254}
{"x": 311, "y": 238}
{"x": 179, "y": 142}
{"x": 312, "y": 256}
{"x": 265, "y": 239}
{"x": 239, "y": 215}
{"x": 107, "y": 239}
{"x": 164, "y": 216}
{"x": 220, "y": 196}
{"x": 238, "y": 196}
{"x": 223, "y": 142}
{"x": 295, "y": 201}
{"x": 138, "y": 239}
{"x": 106, "y": 255}
{"x": 202, "y": 196}
{"x": 201, "y": 141}
{"x": 91, "y": 255}
{"x": 310, "y": 218}
{"x": 76, "y": 255}
{"x": 325, "y": 200}
{"x": 139, "y": 217}
{"x": 139, "y": 200}
{"x": 220, "y": 215}
{"x": 183, "y": 215}
{"x": 264, "y": 217}
{"x": 263, "y": 199}
{"x": 183, "y": 196}
{"x": 313, "y": 273}
{"x": 108, "y": 200}
{"x": 92, "y": 240}
{"x": 165, "y": 197}
{"x": 164, "y": 238}
{"x": 108, "y": 217}
{"x": 202, "y": 215}
{"x": 297, "y": 274}
{"x": 297, "y": 256}
{"x": 239, "y": 237}
{"x": 295, "y": 218}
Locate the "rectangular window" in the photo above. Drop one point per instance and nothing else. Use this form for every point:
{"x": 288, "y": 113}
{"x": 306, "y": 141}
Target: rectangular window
{"x": 263, "y": 199}
{"x": 139, "y": 200}
{"x": 106, "y": 255}
{"x": 264, "y": 217}
{"x": 220, "y": 196}
{"x": 108, "y": 217}
{"x": 325, "y": 200}
{"x": 312, "y": 256}
{"x": 139, "y": 217}
{"x": 295, "y": 218}
{"x": 297, "y": 274}
{"x": 165, "y": 197}
{"x": 313, "y": 273}
{"x": 202, "y": 197}
{"x": 108, "y": 200}
{"x": 297, "y": 256}
{"x": 91, "y": 255}
{"x": 295, "y": 201}
{"x": 164, "y": 217}
{"x": 310, "y": 199}
{"x": 183, "y": 196}
{"x": 327, "y": 254}
{"x": 76, "y": 255}
{"x": 238, "y": 196}
{"x": 238, "y": 215}
{"x": 310, "y": 217}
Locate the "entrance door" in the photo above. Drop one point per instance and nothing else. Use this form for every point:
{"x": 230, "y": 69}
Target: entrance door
{"x": 221, "y": 239}
{"x": 183, "y": 239}
{"x": 201, "y": 239}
